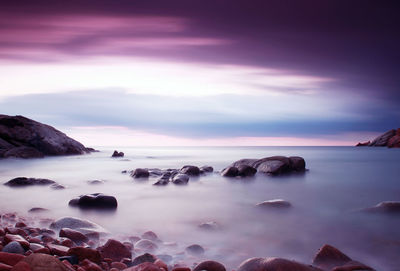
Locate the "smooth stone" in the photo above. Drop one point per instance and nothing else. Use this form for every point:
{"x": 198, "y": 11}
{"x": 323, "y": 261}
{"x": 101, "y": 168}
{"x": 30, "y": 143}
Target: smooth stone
{"x": 5, "y": 267}
{"x": 57, "y": 186}
{"x": 95, "y": 182}
{"x": 274, "y": 203}
{"x": 146, "y": 245}
{"x": 24, "y": 181}
{"x": 150, "y": 235}
{"x": 273, "y": 167}
{"x": 10, "y": 258}
{"x": 71, "y": 259}
{"x": 165, "y": 258}
{"x": 209, "y": 226}
{"x": 95, "y": 201}
{"x": 23, "y": 152}
{"x": 190, "y": 170}
{"x": 246, "y": 171}
{"x": 17, "y": 238}
{"x": 230, "y": 172}
{"x": 74, "y": 235}
{"x": 35, "y": 247}
{"x": 274, "y": 264}
{"x": 162, "y": 182}
{"x": 206, "y": 169}
{"x": 114, "y": 250}
{"x": 209, "y": 266}
{"x": 58, "y": 249}
{"x": 195, "y": 249}
{"x": 144, "y": 267}
{"x": 140, "y": 173}
{"x": 81, "y": 225}
{"x": 297, "y": 163}
{"x": 43, "y": 262}
{"x": 13, "y": 247}
{"x": 90, "y": 266}
{"x": 144, "y": 258}
{"x": 180, "y": 179}
{"x": 83, "y": 253}
{"x": 117, "y": 154}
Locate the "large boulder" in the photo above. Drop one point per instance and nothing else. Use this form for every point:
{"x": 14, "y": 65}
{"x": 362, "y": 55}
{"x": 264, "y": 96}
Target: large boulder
{"x": 42, "y": 262}
{"x": 25, "y": 138}
{"x": 274, "y": 264}
{"x": 140, "y": 173}
{"x": 24, "y": 181}
{"x": 95, "y": 201}
{"x": 190, "y": 170}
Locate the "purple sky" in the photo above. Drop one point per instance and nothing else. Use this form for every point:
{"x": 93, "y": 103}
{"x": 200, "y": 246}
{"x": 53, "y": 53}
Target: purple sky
{"x": 256, "y": 71}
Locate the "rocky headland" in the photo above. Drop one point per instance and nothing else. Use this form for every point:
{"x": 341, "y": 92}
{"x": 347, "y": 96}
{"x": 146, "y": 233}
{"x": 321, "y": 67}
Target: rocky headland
{"x": 390, "y": 139}
{"x": 21, "y": 137}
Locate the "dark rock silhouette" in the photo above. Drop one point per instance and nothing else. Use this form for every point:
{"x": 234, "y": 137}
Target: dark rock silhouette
{"x": 94, "y": 201}
{"x": 117, "y": 154}
{"x": 390, "y": 139}
{"x": 21, "y": 137}
{"x": 24, "y": 181}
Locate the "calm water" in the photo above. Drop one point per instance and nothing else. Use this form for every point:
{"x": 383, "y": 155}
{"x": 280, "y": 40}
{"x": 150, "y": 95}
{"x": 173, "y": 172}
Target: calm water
{"x": 339, "y": 181}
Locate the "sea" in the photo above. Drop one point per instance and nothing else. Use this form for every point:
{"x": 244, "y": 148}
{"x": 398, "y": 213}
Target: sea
{"x": 326, "y": 201}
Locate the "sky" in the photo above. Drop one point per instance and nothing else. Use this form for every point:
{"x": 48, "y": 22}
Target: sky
{"x": 178, "y": 72}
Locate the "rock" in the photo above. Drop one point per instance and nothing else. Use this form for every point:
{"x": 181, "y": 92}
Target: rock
{"x": 83, "y": 253}
{"x": 58, "y": 249}
{"x": 274, "y": 264}
{"x": 273, "y": 167}
{"x": 95, "y": 182}
{"x": 297, "y": 163}
{"x": 246, "y": 171}
{"x": 274, "y": 203}
{"x": 146, "y": 245}
{"x": 206, "y": 169}
{"x": 114, "y": 250}
{"x": 37, "y": 247}
{"x": 209, "y": 226}
{"x": 81, "y": 225}
{"x": 13, "y": 247}
{"x": 190, "y": 170}
{"x": 117, "y": 154}
{"x": 26, "y": 138}
{"x": 195, "y": 249}
{"x": 5, "y": 267}
{"x": 165, "y": 258}
{"x": 209, "y": 266}
{"x": 180, "y": 179}
{"x": 161, "y": 265}
{"x": 95, "y": 201}
{"x": 23, "y": 152}
{"x": 57, "y": 186}
{"x": 24, "y": 181}
{"x": 140, "y": 173}
{"x": 363, "y": 144}
{"x": 8, "y": 238}
{"x": 353, "y": 266}
{"x": 118, "y": 265}
{"x": 328, "y": 257}
{"x": 144, "y": 267}
{"x": 43, "y": 262}
{"x": 150, "y": 236}
{"x": 75, "y": 236}
{"x": 71, "y": 259}
{"x": 230, "y": 172}
{"x": 385, "y": 207}
{"x": 162, "y": 181}
{"x": 144, "y": 258}
{"x": 394, "y": 142}
{"x": 383, "y": 139}
{"x": 90, "y": 266}
{"x": 10, "y": 258}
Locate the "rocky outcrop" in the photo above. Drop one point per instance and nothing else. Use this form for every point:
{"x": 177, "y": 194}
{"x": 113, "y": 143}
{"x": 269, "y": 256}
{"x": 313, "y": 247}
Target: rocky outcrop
{"x": 21, "y": 137}
{"x": 117, "y": 154}
{"x": 385, "y": 207}
{"x": 274, "y": 165}
{"x": 390, "y": 139}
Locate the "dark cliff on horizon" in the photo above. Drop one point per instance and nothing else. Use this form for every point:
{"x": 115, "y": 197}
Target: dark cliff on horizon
{"x": 21, "y": 137}
{"x": 390, "y": 139}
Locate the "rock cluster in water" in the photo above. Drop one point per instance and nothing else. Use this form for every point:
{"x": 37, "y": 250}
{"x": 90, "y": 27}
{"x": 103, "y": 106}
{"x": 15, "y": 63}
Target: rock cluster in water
{"x": 274, "y": 165}
{"x": 21, "y": 137}
{"x": 73, "y": 244}
{"x": 390, "y": 139}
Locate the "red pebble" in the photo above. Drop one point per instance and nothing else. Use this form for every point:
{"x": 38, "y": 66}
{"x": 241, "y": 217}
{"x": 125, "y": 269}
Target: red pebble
{"x": 20, "y": 224}
{"x": 5, "y": 267}
{"x": 21, "y": 266}
{"x": 85, "y": 253}
{"x": 119, "y": 265}
{"x": 181, "y": 269}
{"x": 58, "y": 250}
{"x": 115, "y": 250}
{"x": 10, "y": 258}
{"x": 90, "y": 266}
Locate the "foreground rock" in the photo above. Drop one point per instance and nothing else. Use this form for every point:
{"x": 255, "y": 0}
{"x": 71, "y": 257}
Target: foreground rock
{"x": 209, "y": 266}
{"x": 38, "y": 261}
{"x": 390, "y": 139}
{"x": 21, "y": 137}
{"x": 275, "y": 165}
{"x": 24, "y": 181}
{"x": 274, "y": 264}
{"x": 95, "y": 201}
{"x": 78, "y": 224}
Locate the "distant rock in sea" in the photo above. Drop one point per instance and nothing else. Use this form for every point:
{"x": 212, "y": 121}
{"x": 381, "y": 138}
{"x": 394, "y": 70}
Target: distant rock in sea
{"x": 390, "y": 139}
{"x": 21, "y": 137}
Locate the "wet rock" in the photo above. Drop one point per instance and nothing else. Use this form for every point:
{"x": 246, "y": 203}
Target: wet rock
{"x": 150, "y": 235}
{"x": 117, "y": 154}
{"x": 143, "y": 259}
{"x": 57, "y": 186}
{"x": 274, "y": 264}
{"x": 37, "y": 247}
{"x": 58, "y": 249}
{"x": 274, "y": 203}
{"x": 83, "y": 253}
{"x": 43, "y": 262}
{"x": 246, "y": 171}
{"x": 13, "y": 247}
{"x": 95, "y": 201}
{"x": 297, "y": 163}
{"x": 24, "y": 181}
{"x": 209, "y": 226}
{"x": 144, "y": 267}
{"x": 195, "y": 250}
{"x": 5, "y": 267}
{"x": 385, "y": 207}
{"x": 180, "y": 179}
{"x": 190, "y": 170}
{"x": 162, "y": 181}
{"x": 95, "y": 182}
{"x": 81, "y": 225}
{"x": 140, "y": 173}
{"x": 230, "y": 172}
{"x": 118, "y": 265}
{"x": 90, "y": 266}
{"x": 146, "y": 245}
{"x": 114, "y": 250}
{"x": 165, "y": 258}
{"x": 71, "y": 259}
{"x": 206, "y": 169}
{"x": 274, "y": 165}
{"x": 161, "y": 264}
{"x": 75, "y": 236}
{"x": 209, "y": 266}
{"x": 26, "y": 138}
{"x": 10, "y": 258}
{"x": 8, "y": 238}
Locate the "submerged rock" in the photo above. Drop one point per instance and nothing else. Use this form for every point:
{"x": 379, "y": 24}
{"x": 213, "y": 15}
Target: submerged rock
{"x": 385, "y": 207}
{"x": 140, "y": 173}
{"x": 190, "y": 170}
{"x": 81, "y": 225}
{"x": 230, "y": 172}
{"x": 24, "y": 181}
{"x": 95, "y": 201}
{"x": 209, "y": 226}
{"x": 25, "y": 138}
{"x": 274, "y": 203}
{"x": 274, "y": 264}
{"x": 246, "y": 171}
{"x": 117, "y": 154}
{"x": 195, "y": 249}
{"x": 145, "y": 258}
{"x": 206, "y": 169}
{"x": 146, "y": 245}
{"x": 180, "y": 179}
{"x": 209, "y": 266}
